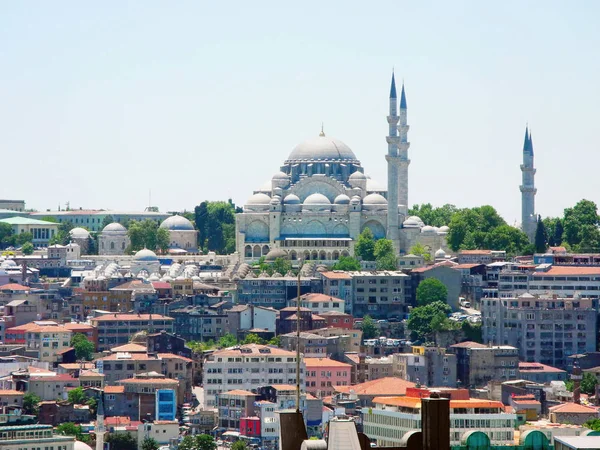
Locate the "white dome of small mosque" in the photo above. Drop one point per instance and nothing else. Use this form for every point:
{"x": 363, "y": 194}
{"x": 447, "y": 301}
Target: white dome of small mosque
{"x": 78, "y": 445}
{"x": 341, "y": 199}
{"x": 291, "y": 199}
{"x": 413, "y": 222}
{"x": 177, "y": 223}
{"x": 358, "y": 175}
{"x": 259, "y": 199}
{"x": 114, "y": 228}
{"x": 8, "y": 264}
{"x": 374, "y": 202}
{"x": 443, "y": 229}
{"x": 79, "y": 233}
{"x": 145, "y": 255}
{"x": 322, "y": 148}
{"x": 428, "y": 230}
{"x": 316, "y": 202}
{"x": 440, "y": 254}
{"x": 281, "y": 176}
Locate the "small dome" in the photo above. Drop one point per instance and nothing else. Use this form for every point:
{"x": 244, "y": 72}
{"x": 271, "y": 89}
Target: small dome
{"x": 357, "y": 176}
{"x": 316, "y": 203}
{"x": 9, "y": 263}
{"x": 355, "y": 200}
{"x": 114, "y": 227}
{"x": 145, "y": 255}
{"x": 413, "y": 222}
{"x": 78, "y": 445}
{"x": 440, "y": 254}
{"x": 79, "y": 233}
{"x": 342, "y": 199}
{"x": 259, "y": 199}
{"x": 154, "y": 277}
{"x": 428, "y": 230}
{"x": 276, "y": 200}
{"x": 276, "y": 253}
{"x": 291, "y": 199}
{"x": 281, "y": 176}
{"x": 374, "y": 199}
{"x": 177, "y": 223}
{"x": 444, "y": 229}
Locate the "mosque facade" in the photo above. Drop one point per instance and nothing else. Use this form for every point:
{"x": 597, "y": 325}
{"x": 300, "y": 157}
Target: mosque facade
{"x": 320, "y": 201}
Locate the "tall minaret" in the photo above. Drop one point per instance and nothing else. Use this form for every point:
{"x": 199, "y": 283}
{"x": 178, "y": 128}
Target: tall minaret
{"x": 392, "y": 159}
{"x": 528, "y": 190}
{"x": 403, "y": 153}
{"x": 100, "y": 430}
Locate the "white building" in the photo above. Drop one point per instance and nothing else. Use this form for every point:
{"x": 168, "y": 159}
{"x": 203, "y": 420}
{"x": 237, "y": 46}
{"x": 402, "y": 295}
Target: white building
{"x": 113, "y": 240}
{"x": 35, "y": 437}
{"x": 247, "y": 367}
{"x": 319, "y": 303}
{"x": 182, "y": 234}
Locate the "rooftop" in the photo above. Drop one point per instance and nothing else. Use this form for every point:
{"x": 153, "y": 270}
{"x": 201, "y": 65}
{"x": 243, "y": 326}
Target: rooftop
{"x": 27, "y": 221}
{"x": 318, "y": 298}
{"x": 382, "y": 387}
{"x": 568, "y": 270}
{"x": 336, "y": 275}
{"x": 324, "y": 362}
{"x": 238, "y": 392}
{"x": 130, "y": 317}
{"x": 573, "y": 408}
{"x": 530, "y": 367}
{"x": 254, "y": 350}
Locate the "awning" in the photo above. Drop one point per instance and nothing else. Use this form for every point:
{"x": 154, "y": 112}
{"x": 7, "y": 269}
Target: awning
{"x": 232, "y": 433}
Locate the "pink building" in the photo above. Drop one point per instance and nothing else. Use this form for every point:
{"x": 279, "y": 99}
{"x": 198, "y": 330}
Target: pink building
{"x": 322, "y": 374}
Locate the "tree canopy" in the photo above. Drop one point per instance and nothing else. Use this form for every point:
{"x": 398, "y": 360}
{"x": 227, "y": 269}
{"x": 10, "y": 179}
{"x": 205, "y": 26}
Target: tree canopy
{"x": 215, "y": 222}
{"x": 369, "y": 328}
{"x": 593, "y": 424}
{"x": 431, "y": 290}
{"x": 385, "y": 255}
{"x": 239, "y": 445}
{"x": 121, "y": 441}
{"x": 424, "y": 320}
{"x": 147, "y": 234}
{"x": 70, "y": 429}
{"x": 347, "y": 263}
{"x": 280, "y": 266}
{"x": 62, "y": 236}
{"x": 365, "y": 246}
{"x": 541, "y": 236}
{"x": 419, "y": 250}
{"x": 149, "y": 443}
{"x": 588, "y": 384}
{"x": 6, "y": 235}
{"x": 435, "y": 217}
{"x": 198, "y": 442}
{"x": 27, "y": 248}
{"x": 30, "y": 403}
{"x": 84, "y": 349}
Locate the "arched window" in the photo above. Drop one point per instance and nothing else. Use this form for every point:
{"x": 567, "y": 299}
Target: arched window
{"x": 122, "y": 245}
{"x": 112, "y": 245}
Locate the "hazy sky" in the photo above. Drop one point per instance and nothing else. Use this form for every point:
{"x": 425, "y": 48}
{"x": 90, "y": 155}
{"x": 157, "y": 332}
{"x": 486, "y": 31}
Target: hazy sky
{"x": 101, "y": 102}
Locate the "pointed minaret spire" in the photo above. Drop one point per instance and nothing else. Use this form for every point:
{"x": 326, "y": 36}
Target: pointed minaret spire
{"x": 530, "y": 143}
{"x": 393, "y": 87}
{"x": 403, "y": 97}
{"x": 526, "y": 142}
{"x": 528, "y": 190}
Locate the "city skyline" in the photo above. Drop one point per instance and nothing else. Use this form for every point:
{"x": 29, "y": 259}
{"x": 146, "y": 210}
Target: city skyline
{"x": 193, "y": 104}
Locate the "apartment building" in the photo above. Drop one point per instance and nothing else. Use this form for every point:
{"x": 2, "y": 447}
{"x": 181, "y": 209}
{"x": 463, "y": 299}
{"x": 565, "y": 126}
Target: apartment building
{"x": 232, "y": 406}
{"x": 33, "y": 437}
{"x": 45, "y": 339}
{"x": 380, "y": 294}
{"x": 476, "y": 363}
{"x": 322, "y": 374}
{"x": 365, "y": 368}
{"x": 116, "y": 329}
{"x": 274, "y": 291}
{"x": 392, "y": 417}
{"x": 428, "y": 366}
{"x": 246, "y": 367}
{"x": 544, "y": 329}
{"x": 319, "y": 303}
{"x": 338, "y": 284}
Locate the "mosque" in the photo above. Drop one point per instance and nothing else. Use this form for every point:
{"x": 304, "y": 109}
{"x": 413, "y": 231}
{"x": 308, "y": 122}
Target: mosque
{"x": 319, "y": 202}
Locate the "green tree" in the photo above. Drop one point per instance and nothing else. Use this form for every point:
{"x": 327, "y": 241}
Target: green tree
{"x": 62, "y": 236}
{"x": 347, "y": 263}
{"x": 505, "y": 237}
{"x": 369, "y": 328}
{"x": 70, "y": 429}
{"x": 281, "y": 266}
{"x": 84, "y": 349}
{"x": 215, "y": 222}
{"x": 593, "y": 424}
{"x": 420, "y": 250}
{"x": 541, "y": 237}
{"x": 587, "y": 386}
{"x": 239, "y": 445}
{"x": 252, "y": 338}
{"x": 107, "y": 221}
{"x": 27, "y": 248}
{"x": 558, "y": 232}
{"x": 198, "y": 442}
{"x": 6, "y": 235}
{"x": 149, "y": 443}
{"x": 146, "y": 234}
{"x": 584, "y": 213}
{"x": 229, "y": 340}
{"x": 24, "y": 238}
{"x": 365, "y": 246}
{"x": 30, "y": 403}
{"x": 162, "y": 239}
{"x": 121, "y": 441}
{"x": 77, "y": 396}
{"x": 472, "y": 331}
{"x": 424, "y": 320}
{"x": 436, "y": 217}
{"x": 275, "y": 341}
{"x": 431, "y": 290}
{"x": 385, "y": 255}
{"x": 199, "y": 347}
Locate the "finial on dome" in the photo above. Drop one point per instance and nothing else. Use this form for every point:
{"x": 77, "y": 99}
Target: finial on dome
{"x": 322, "y": 133}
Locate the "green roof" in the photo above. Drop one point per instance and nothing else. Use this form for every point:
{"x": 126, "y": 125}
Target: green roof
{"x": 26, "y": 221}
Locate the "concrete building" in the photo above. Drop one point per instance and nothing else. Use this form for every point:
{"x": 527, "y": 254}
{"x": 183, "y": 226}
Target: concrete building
{"x": 13, "y": 205}
{"x": 476, "y": 364}
{"x": 545, "y": 330}
{"x": 232, "y": 406}
{"x": 392, "y": 417}
{"x": 322, "y": 374}
{"x": 34, "y": 437}
{"x": 247, "y": 366}
{"x": 164, "y": 432}
{"x": 366, "y": 368}
{"x": 93, "y": 219}
{"x": 46, "y": 339}
{"x": 311, "y": 345}
{"x": 197, "y": 323}
{"x": 427, "y": 366}
{"x": 319, "y": 303}
{"x": 41, "y": 230}
{"x": 540, "y": 373}
{"x": 363, "y": 394}
{"x": 143, "y": 387}
{"x": 573, "y": 413}
{"x": 381, "y": 294}
{"x": 274, "y": 292}
{"x": 116, "y": 329}
{"x": 338, "y": 284}
{"x": 451, "y": 278}
{"x": 242, "y": 318}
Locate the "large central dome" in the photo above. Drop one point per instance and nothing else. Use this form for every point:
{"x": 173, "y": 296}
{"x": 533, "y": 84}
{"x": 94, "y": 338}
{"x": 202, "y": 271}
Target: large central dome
{"x": 321, "y": 148}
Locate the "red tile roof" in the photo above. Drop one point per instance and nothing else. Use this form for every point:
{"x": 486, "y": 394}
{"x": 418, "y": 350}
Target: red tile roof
{"x": 149, "y": 381}
{"x": 573, "y": 408}
{"x": 324, "y": 362}
{"x": 568, "y": 270}
{"x": 114, "y": 389}
{"x": 161, "y": 285}
{"x": 475, "y": 252}
{"x": 130, "y": 348}
{"x": 10, "y": 392}
{"x": 530, "y": 367}
{"x": 469, "y": 344}
{"x": 381, "y": 386}
{"x": 238, "y": 392}
{"x": 319, "y": 298}
{"x": 335, "y": 275}
{"x": 13, "y": 287}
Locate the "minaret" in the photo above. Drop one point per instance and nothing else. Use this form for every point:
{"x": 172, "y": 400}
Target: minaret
{"x": 528, "y": 190}
{"x": 403, "y": 153}
{"x": 100, "y": 430}
{"x": 392, "y": 159}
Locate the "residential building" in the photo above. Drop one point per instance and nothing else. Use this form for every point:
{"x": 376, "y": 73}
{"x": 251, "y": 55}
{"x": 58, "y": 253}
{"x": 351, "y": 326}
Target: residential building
{"x": 47, "y": 386}
{"x": 287, "y": 321}
{"x": 166, "y": 404}
{"x": 350, "y": 339}
{"x": 480, "y": 256}
{"x": 116, "y": 329}
{"x": 41, "y": 230}
{"x": 319, "y": 303}
{"x": 322, "y": 374}
{"x": 338, "y": 320}
{"x": 565, "y": 281}
{"x": 544, "y": 329}
{"x": 232, "y": 406}
{"x": 381, "y": 294}
{"x": 365, "y": 368}
{"x": 362, "y": 394}
{"x": 476, "y": 363}
{"x": 311, "y": 345}
{"x": 573, "y": 413}
{"x": 451, "y": 278}
{"x": 428, "y": 366}
{"x": 540, "y": 373}
{"x": 247, "y": 366}
{"x": 45, "y": 339}
{"x": 143, "y": 388}
{"x": 164, "y": 432}
{"x": 338, "y": 284}
{"x": 164, "y": 342}
{"x": 10, "y": 398}
{"x": 274, "y": 291}
{"x": 33, "y": 437}
{"x": 242, "y": 318}
{"x": 392, "y": 417}
{"x": 198, "y": 323}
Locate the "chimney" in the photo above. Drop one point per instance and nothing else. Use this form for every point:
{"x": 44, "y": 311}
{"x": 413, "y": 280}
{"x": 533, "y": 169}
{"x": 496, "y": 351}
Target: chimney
{"x": 435, "y": 422}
